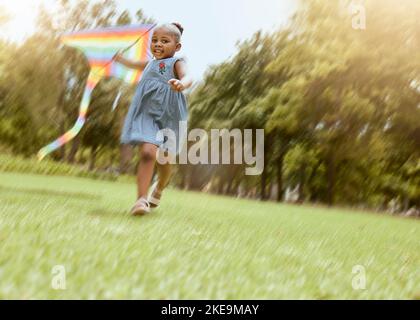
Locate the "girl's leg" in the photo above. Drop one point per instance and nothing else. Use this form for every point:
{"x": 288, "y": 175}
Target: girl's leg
{"x": 164, "y": 175}
{"x": 164, "y": 169}
{"x": 126, "y": 156}
{"x": 145, "y": 168}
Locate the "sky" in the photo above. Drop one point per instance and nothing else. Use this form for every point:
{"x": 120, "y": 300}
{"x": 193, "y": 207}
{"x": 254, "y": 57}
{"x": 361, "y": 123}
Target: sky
{"x": 212, "y": 27}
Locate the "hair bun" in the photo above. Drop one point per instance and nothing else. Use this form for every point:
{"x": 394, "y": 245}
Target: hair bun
{"x": 178, "y": 25}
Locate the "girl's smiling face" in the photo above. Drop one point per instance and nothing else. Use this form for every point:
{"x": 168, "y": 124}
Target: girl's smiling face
{"x": 164, "y": 44}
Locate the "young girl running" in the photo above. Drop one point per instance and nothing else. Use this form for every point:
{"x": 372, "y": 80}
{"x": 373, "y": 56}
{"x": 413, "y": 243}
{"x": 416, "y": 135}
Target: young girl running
{"x": 158, "y": 104}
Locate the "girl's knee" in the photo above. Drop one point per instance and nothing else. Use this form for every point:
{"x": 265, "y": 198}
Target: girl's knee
{"x": 148, "y": 153}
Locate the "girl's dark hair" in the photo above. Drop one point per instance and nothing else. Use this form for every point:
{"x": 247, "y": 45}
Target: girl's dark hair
{"x": 178, "y": 25}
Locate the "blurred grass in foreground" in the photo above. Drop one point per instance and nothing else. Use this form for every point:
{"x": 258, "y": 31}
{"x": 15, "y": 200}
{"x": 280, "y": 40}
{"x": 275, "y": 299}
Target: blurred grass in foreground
{"x": 196, "y": 246}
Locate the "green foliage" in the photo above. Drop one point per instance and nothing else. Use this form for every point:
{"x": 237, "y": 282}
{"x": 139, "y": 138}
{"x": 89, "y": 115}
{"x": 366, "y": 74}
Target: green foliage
{"x": 340, "y": 106}
{"x": 49, "y": 167}
{"x": 42, "y": 83}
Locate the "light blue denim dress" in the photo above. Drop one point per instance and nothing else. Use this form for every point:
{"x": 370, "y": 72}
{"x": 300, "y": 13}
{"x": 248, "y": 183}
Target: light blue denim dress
{"x": 155, "y": 106}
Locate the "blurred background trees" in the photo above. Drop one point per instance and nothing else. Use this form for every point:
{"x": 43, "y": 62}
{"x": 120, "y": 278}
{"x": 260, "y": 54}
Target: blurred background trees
{"x": 340, "y": 106}
{"x": 43, "y": 81}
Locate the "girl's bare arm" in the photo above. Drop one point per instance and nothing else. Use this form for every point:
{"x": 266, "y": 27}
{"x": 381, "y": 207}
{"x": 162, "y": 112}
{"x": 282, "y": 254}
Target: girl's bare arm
{"x": 184, "y": 80}
{"x": 140, "y": 65}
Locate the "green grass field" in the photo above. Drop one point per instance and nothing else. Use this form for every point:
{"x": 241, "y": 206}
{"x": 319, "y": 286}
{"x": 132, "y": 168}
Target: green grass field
{"x": 196, "y": 246}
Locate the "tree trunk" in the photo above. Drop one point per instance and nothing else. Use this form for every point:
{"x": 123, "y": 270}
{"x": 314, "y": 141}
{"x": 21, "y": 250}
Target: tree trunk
{"x": 93, "y": 152}
{"x": 280, "y": 162}
{"x": 236, "y": 187}
{"x": 301, "y": 196}
{"x": 74, "y": 148}
{"x": 406, "y": 203}
{"x": 195, "y": 181}
{"x": 220, "y": 184}
{"x": 183, "y": 173}
{"x": 111, "y": 160}
{"x": 263, "y": 185}
{"x": 61, "y": 107}
{"x": 264, "y": 177}
{"x": 331, "y": 177}
{"x": 312, "y": 194}
{"x": 232, "y": 185}
{"x": 229, "y": 187}
{"x": 62, "y": 148}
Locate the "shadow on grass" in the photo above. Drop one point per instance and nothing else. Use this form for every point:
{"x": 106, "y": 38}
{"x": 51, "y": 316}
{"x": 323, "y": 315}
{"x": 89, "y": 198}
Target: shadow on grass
{"x": 107, "y": 213}
{"x": 55, "y": 193}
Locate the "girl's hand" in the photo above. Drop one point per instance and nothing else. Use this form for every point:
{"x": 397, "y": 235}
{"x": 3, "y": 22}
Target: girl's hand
{"x": 176, "y": 85}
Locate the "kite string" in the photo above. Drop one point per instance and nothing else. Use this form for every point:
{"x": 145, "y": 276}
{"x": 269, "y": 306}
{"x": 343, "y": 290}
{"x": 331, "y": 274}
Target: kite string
{"x": 124, "y": 50}
{"x": 130, "y": 46}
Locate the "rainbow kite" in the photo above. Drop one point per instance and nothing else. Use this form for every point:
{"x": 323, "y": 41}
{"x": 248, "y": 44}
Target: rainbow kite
{"x": 100, "y": 46}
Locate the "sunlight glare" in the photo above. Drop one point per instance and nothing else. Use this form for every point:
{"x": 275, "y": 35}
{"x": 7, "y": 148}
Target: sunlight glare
{"x": 22, "y": 15}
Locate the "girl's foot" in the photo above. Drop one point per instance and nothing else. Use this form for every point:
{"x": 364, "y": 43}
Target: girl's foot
{"x": 141, "y": 207}
{"x": 154, "y": 197}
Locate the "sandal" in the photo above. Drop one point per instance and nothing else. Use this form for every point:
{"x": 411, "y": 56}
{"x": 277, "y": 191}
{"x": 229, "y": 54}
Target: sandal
{"x": 154, "y": 197}
{"x": 141, "y": 207}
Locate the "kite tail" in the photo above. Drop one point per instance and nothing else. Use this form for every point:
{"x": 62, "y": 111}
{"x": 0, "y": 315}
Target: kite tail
{"x": 62, "y": 140}
{"x": 93, "y": 79}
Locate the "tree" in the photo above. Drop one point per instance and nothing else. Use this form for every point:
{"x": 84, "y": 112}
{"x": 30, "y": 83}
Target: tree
{"x": 42, "y": 81}
{"x": 339, "y": 105}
